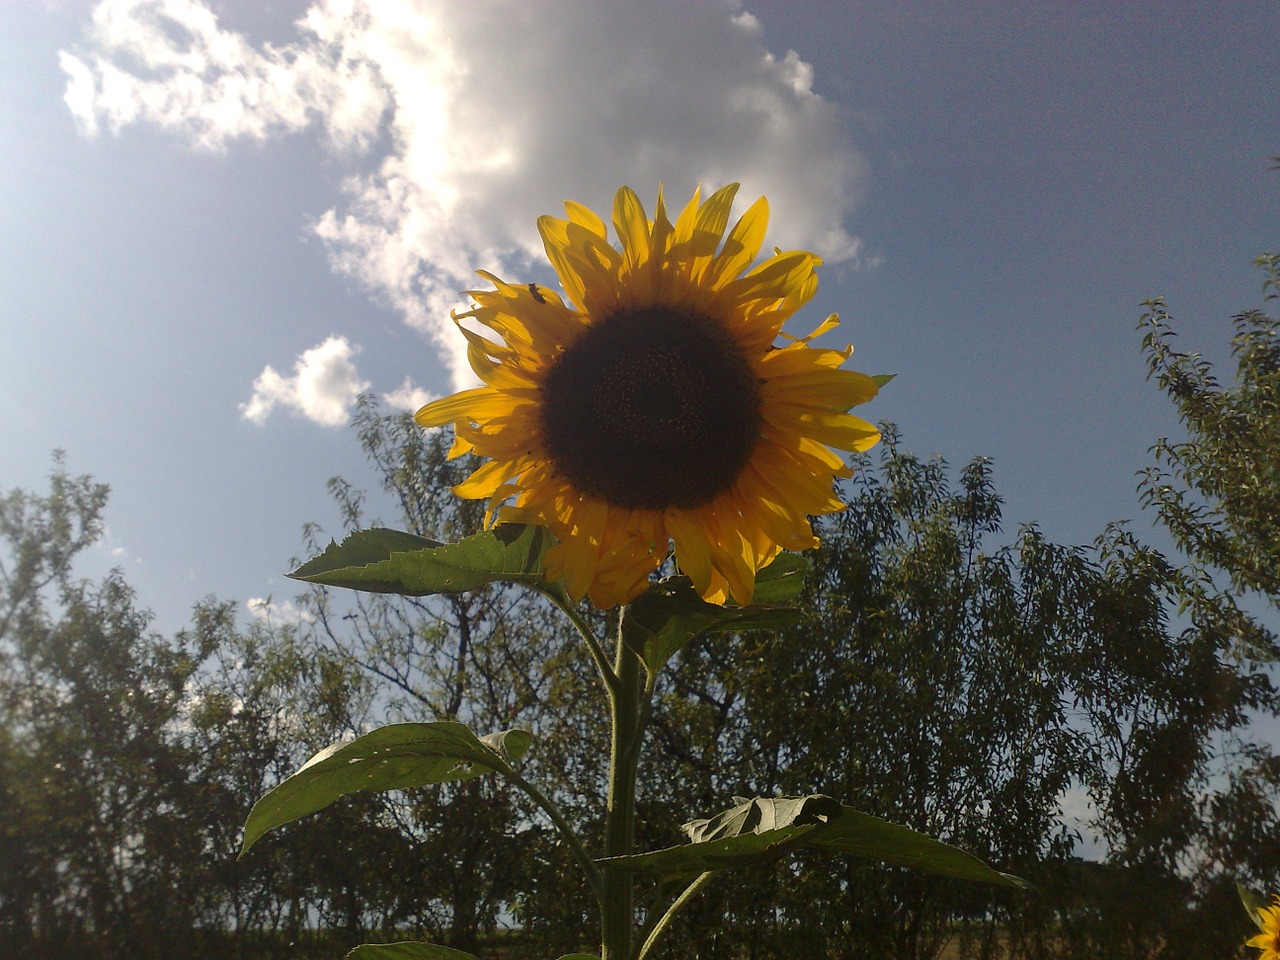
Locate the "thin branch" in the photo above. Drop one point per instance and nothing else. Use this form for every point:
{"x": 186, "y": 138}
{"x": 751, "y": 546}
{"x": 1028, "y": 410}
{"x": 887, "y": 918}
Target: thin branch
{"x": 594, "y": 877}
{"x": 659, "y": 928}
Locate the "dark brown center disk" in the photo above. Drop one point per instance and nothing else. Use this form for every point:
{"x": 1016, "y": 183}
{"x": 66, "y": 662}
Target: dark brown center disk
{"x": 652, "y": 408}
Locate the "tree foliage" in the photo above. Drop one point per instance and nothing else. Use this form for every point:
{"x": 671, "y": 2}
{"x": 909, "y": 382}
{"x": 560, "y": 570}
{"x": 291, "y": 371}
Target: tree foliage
{"x": 1029, "y": 701}
{"x": 1218, "y": 491}
{"x": 96, "y": 780}
{"x": 968, "y": 690}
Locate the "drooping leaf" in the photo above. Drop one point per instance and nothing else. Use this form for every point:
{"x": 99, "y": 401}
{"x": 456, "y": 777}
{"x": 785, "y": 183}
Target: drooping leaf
{"x": 764, "y": 829}
{"x": 783, "y": 580}
{"x": 1253, "y": 904}
{"x": 394, "y": 757}
{"x": 407, "y": 950}
{"x": 389, "y": 561}
{"x": 670, "y": 613}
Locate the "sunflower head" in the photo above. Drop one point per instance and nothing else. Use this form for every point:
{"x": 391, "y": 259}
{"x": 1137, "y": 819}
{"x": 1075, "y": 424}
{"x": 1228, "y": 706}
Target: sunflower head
{"x": 658, "y": 402}
{"x": 1268, "y": 941}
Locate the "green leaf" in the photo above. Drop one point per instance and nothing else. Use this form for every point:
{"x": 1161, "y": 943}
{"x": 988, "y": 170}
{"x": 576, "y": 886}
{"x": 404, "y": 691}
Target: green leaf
{"x": 762, "y": 830}
{"x": 883, "y": 379}
{"x": 1253, "y": 904}
{"x": 670, "y": 613}
{"x": 395, "y": 757}
{"x": 580, "y": 956}
{"x": 388, "y": 561}
{"x": 407, "y": 950}
{"x": 781, "y": 581}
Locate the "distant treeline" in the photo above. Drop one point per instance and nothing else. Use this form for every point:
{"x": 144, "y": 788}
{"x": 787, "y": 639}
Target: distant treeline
{"x": 969, "y": 682}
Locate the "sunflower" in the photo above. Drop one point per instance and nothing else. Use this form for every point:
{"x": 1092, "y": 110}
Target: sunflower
{"x": 1268, "y": 941}
{"x": 654, "y": 404}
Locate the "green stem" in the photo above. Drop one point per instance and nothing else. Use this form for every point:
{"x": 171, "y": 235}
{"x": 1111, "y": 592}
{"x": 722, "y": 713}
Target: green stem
{"x": 594, "y": 877}
{"x": 660, "y": 928}
{"x": 628, "y": 703}
{"x": 556, "y": 594}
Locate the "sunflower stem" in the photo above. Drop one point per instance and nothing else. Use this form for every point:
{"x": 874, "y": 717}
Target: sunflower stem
{"x": 557, "y": 595}
{"x": 659, "y": 928}
{"x": 628, "y": 707}
{"x": 566, "y": 832}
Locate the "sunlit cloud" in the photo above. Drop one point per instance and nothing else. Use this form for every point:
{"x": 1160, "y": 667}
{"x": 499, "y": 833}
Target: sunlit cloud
{"x": 323, "y": 388}
{"x": 276, "y": 612}
{"x": 461, "y": 123}
{"x": 408, "y": 397}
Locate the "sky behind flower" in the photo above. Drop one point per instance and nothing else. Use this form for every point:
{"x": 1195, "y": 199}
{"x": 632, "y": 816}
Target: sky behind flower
{"x": 224, "y": 220}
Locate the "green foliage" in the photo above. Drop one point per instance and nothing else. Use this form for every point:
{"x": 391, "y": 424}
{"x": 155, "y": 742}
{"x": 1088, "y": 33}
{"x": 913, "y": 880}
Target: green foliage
{"x": 395, "y": 757}
{"x": 388, "y": 561}
{"x": 1252, "y": 903}
{"x": 1218, "y": 491}
{"x": 407, "y": 950}
{"x": 759, "y": 831}
{"x": 95, "y": 837}
{"x": 670, "y": 613}
{"x": 942, "y": 675}
{"x": 974, "y": 689}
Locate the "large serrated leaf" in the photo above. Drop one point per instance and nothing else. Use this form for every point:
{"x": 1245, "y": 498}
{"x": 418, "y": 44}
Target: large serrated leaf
{"x": 407, "y": 950}
{"x": 670, "y": 613}
{"x": 389, "y": 561}
{"x": 394, "y": 757}
{"x": 763, "y": 829}
{"x": 783, "y": 580}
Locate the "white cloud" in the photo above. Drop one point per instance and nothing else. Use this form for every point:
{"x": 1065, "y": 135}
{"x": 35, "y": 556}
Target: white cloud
{"x": 169, "y": 63}
{"x": 407, "y": 397}
{"x": 271, "y": 611}
{"x": 323, "y": 387}
{"x": 485, "y": 115}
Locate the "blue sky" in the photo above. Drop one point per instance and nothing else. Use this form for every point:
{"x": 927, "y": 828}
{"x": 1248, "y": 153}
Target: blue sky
{"x": 220, "y": 219}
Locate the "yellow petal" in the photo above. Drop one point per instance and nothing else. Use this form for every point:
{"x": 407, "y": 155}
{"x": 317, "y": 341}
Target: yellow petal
{"x": 585, "y": 217}
{"x": 485, "y": 480}
{"x": 632, "y": 224}
{"x": 713, "y": 217}
{"x": 742, "y": 245}
{"x": 829, "y": 389}
{"x": 692, "y": 552}
{"x": 476, "y": 405}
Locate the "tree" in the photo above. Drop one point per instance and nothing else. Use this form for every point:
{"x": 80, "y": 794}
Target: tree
{"x": 96, "y": 773}
{"x": 965, "y": 690}
{"x": 1218, "y": 491}
{"x": 494, "y": 657}
{"x": 935, "y": 679}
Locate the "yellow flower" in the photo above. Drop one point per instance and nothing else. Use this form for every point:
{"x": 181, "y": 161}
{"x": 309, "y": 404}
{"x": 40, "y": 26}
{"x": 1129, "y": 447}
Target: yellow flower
{"x": 1268, "y": 941}
{"x": 653, "y": 406}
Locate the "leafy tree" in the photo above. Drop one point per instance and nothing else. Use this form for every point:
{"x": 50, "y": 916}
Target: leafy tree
{"x": 936, "y": 679}
{"x": 96, "y": 774}
{"x": 966, "y": 689}
{"x": 1218, "y": 491}
{"x": 494, "y": 658}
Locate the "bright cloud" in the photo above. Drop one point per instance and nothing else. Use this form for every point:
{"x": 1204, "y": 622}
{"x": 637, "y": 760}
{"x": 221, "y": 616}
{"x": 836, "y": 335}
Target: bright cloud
{"x": 271, "y": 611}
{"x": 407, "y": 397}
{"x": 461, "y": 123}
{"x": 323, "y": 387}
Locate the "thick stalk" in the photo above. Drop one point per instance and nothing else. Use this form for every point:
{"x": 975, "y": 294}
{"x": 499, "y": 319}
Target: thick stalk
{"x": 627, "y": 703}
